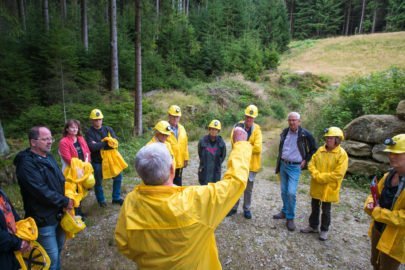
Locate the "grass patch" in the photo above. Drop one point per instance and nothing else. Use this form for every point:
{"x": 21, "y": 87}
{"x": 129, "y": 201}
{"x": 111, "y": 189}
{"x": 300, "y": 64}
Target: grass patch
{"x": 359, "y": 182}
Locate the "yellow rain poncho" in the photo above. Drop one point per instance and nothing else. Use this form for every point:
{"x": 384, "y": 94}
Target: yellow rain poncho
{"x": 171, "y": 227}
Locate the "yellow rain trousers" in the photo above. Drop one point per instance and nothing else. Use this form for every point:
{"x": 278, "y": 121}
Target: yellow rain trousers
{"x": 327, "y": 171}
{"x": 179, "y": 146}
{"x": 171, "y": 227}
{"x": 392, "y": 241}
{"x": 256, "y": 141}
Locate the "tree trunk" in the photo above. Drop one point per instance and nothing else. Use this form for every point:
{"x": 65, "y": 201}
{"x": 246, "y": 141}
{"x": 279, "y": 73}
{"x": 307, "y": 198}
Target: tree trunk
{"x": 4, "y": 149}
{"x": 85, "y": 33}
{"x": 138, "y": 71}
{"x": 363, "y": 9}
{"x": 21, "y": 13}
{"x": 63, "y": 9}
{"x": 349, "y": 14}
{"x": 292, "y": 18}
{"x": 157, "y": 8}
{"x": 114, "y": 46}
{"x": 374, "y": 20}
{"x": 46, "y": 14}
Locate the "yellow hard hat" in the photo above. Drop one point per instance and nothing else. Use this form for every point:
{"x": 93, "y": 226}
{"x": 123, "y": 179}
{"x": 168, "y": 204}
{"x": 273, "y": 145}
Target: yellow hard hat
{"x": 396, "y": 144}
{"x": 334, "y": 132}
{"x": 89, "y": 182}
{"x": 36, "y": 258}
{"x": 72, "y": 224}
{"x": 251, "y": 111}
{"x": 215, "y": 124}
{"x": 96, "y": 114}
{"x": 27, "y": 229}
{"x": 163, "y": 127}
{"x": 174, "y": 110}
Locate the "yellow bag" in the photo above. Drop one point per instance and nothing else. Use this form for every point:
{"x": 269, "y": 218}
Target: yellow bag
{"x": 113, "y": 163}
{"x": 36, "y": 258}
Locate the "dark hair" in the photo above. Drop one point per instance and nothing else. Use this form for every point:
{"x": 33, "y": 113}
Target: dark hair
{"x": 33, "y": 134}
{"x": 68, "y": 124}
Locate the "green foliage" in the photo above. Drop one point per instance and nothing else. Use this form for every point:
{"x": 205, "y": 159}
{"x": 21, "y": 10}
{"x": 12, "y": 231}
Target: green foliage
{"x": 396, "y": 15}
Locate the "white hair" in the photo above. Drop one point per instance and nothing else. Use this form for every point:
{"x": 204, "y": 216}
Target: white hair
{"x": 153, "y": 163}
{"x": 294, "y": 114}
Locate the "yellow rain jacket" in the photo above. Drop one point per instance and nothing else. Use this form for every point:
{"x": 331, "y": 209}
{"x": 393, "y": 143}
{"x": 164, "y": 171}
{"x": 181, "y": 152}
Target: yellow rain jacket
{"x": 179, "y": 146}
{"x": 78, "y": 171}
{"x": 168, "y": 146}
{"x": 327, "y": 169}
{"x": 392, "y": 241}
{"x": 171, "y": 227}
{"x": 27, "y": 230}
{"x": 113, "y": 163}
{"x": 256, "y": 141}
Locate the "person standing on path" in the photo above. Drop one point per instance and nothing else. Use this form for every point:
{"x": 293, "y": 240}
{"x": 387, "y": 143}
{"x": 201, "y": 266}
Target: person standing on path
{"x": 297, "y": 145}
{"x": 94, "y": 137}
{"x": 179, "y": 141}
{"x": 212, "y": 152}
{"x": 327, "y": 167}
{"x": 162, "y": 132}
{"x": 255, "y": 139}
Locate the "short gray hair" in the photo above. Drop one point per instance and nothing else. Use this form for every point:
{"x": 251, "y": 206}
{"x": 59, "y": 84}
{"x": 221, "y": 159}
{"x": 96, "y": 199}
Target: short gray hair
{"x": 294, "y": 114}
{"x": 153, "y": 164}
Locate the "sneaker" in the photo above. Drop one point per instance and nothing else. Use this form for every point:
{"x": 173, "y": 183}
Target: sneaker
{"x": 280, "y": 215}
{"x": 323, "y": 236}
{"x": 119, "y": 201}
{"x": 232, "y": 212}
{"x": 309, "y": 229}
{"x": 102, "y": 204}
{"x": 247, "y": 214}
{"x": 290, "y": 225}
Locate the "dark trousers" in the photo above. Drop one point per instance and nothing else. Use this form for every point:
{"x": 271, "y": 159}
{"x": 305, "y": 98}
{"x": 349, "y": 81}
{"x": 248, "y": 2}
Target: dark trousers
{"x": 177, "y": 177}
{"x": 379, "y": 260}
{"x": 325, "y": 218}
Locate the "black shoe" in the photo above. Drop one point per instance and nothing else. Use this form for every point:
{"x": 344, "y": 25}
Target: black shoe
{"x": 102, "y": 204}
{"x": 280, "y": 215}
{"x": 232, "y": 212}
{"x": 247, "y": 214}
{"x": 119, "y": 201}
{"x": 290, "y": 225}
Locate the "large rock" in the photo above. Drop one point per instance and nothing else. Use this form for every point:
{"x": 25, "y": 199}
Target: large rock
{"x": 357, "y": 149}
{"x": 374, "y": 128}
{"x": 378, "y": 153}
{"x": 401, "y": 110}
{"x": 365, "y": 167}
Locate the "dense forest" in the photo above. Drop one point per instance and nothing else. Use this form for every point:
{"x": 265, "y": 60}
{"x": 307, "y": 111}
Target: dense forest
{"x": 74, "y": 53}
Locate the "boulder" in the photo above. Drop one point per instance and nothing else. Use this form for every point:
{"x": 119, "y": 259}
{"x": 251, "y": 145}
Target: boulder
{"x": 357, "y": 149}
{"x": 378, "y": 153}
{"x": 374, "y": 128}
{"x": 401, "y": 110}
{"x": 365, "y": 167}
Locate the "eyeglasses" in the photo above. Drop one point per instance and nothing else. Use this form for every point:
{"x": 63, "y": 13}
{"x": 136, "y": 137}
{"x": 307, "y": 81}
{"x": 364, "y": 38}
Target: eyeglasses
{"x": 51, "y": 139}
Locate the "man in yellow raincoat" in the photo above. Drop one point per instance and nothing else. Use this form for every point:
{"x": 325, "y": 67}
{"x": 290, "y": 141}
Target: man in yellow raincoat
{"x": 387, "y": 229}
{"x": 327, "y": 167}
{"x": 162, "y": 132}
{"x": 255, "y": 139}
{"x": 179, "y": 141}
{"x": 162, "y": 226}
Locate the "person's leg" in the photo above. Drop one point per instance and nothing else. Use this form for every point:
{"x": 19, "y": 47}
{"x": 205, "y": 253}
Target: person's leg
{"x": 326, "y": 216}
{"x": 98, "y": 187}
{"x": 314, "y": 217}
{"x": 387, "y": 263}
{"x": 294, "y": 172}
{"x": 48, "y": 240}
{"x": 60, "y": 239}
{"x": 116, "y": 192}
{"x": 247, "y": 196}
{"x": 283, "y": 186}
{"x": 375, "y": 237}
{"x": 177, "y": 177}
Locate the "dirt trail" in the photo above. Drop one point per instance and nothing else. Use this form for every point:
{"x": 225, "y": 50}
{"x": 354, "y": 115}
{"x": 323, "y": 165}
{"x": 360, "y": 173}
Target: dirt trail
{"x": 259, "y": 243}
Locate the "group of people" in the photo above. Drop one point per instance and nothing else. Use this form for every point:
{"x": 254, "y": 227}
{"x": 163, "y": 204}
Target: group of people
{"x": 164, "y": 225}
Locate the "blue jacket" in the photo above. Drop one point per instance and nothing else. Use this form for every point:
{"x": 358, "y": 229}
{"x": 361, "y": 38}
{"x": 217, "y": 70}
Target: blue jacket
{"x": 42, "y": 187}
{"x": 97, "y": 135}
{"x": 305, "y": 142}
{"x": 8, "y": 242}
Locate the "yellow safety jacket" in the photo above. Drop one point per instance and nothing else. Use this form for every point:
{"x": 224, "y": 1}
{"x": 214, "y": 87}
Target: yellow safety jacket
{"x": 392, "y": 240}
{"x": 256, "y": 141}
{"x": 179, "y": 146}
{"x": 327, "y": 169}
{"x": 168, "y": 146}
{"x": 171, "y": 227}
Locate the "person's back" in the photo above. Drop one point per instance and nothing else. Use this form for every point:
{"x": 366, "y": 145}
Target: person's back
{"x": 168, "y": 227}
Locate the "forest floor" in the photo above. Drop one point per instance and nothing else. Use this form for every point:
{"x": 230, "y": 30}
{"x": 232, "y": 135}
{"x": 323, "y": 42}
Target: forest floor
{"x": 259, "y": 243}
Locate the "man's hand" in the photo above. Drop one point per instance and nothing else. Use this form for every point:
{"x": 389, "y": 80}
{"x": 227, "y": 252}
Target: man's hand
{"x": 25, "y": 246}
{"x": 70, "y": 205}
{"x": 239, "y": 134}
{"x": 185, "y": 164}
{"x": 303, "y": 163}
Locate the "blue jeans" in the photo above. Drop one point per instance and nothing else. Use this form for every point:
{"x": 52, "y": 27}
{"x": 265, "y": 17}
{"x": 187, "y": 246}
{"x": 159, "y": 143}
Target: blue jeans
{"x": 289, "y": 178}
{"x": 52, "y": 239}
{"x": 98, "y": 188}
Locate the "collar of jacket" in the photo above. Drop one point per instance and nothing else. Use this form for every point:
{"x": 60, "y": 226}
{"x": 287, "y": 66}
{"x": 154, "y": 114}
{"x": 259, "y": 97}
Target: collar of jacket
{"x": 335, "y": 150}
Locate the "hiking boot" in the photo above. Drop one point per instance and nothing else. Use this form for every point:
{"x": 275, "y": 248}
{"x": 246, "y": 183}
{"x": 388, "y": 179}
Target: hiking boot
{"x": 309, "y": 229}
{"x": 280, "y": 215}
{"x": 102, "y": 204}
{"x": 290, "y": 225}
{"x": 232, "y": 212}
{"x": 323, "y": 236}
{"x": 119, "y": 201}
{"x": 247, "y": 214}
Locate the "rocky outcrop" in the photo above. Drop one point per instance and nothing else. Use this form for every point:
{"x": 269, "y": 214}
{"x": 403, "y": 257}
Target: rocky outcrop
{"x": 357, "y": 149}
{"x": 401, "y": 110}
{"x": 365, "y": 167}
{"x": 378, "y": 154}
